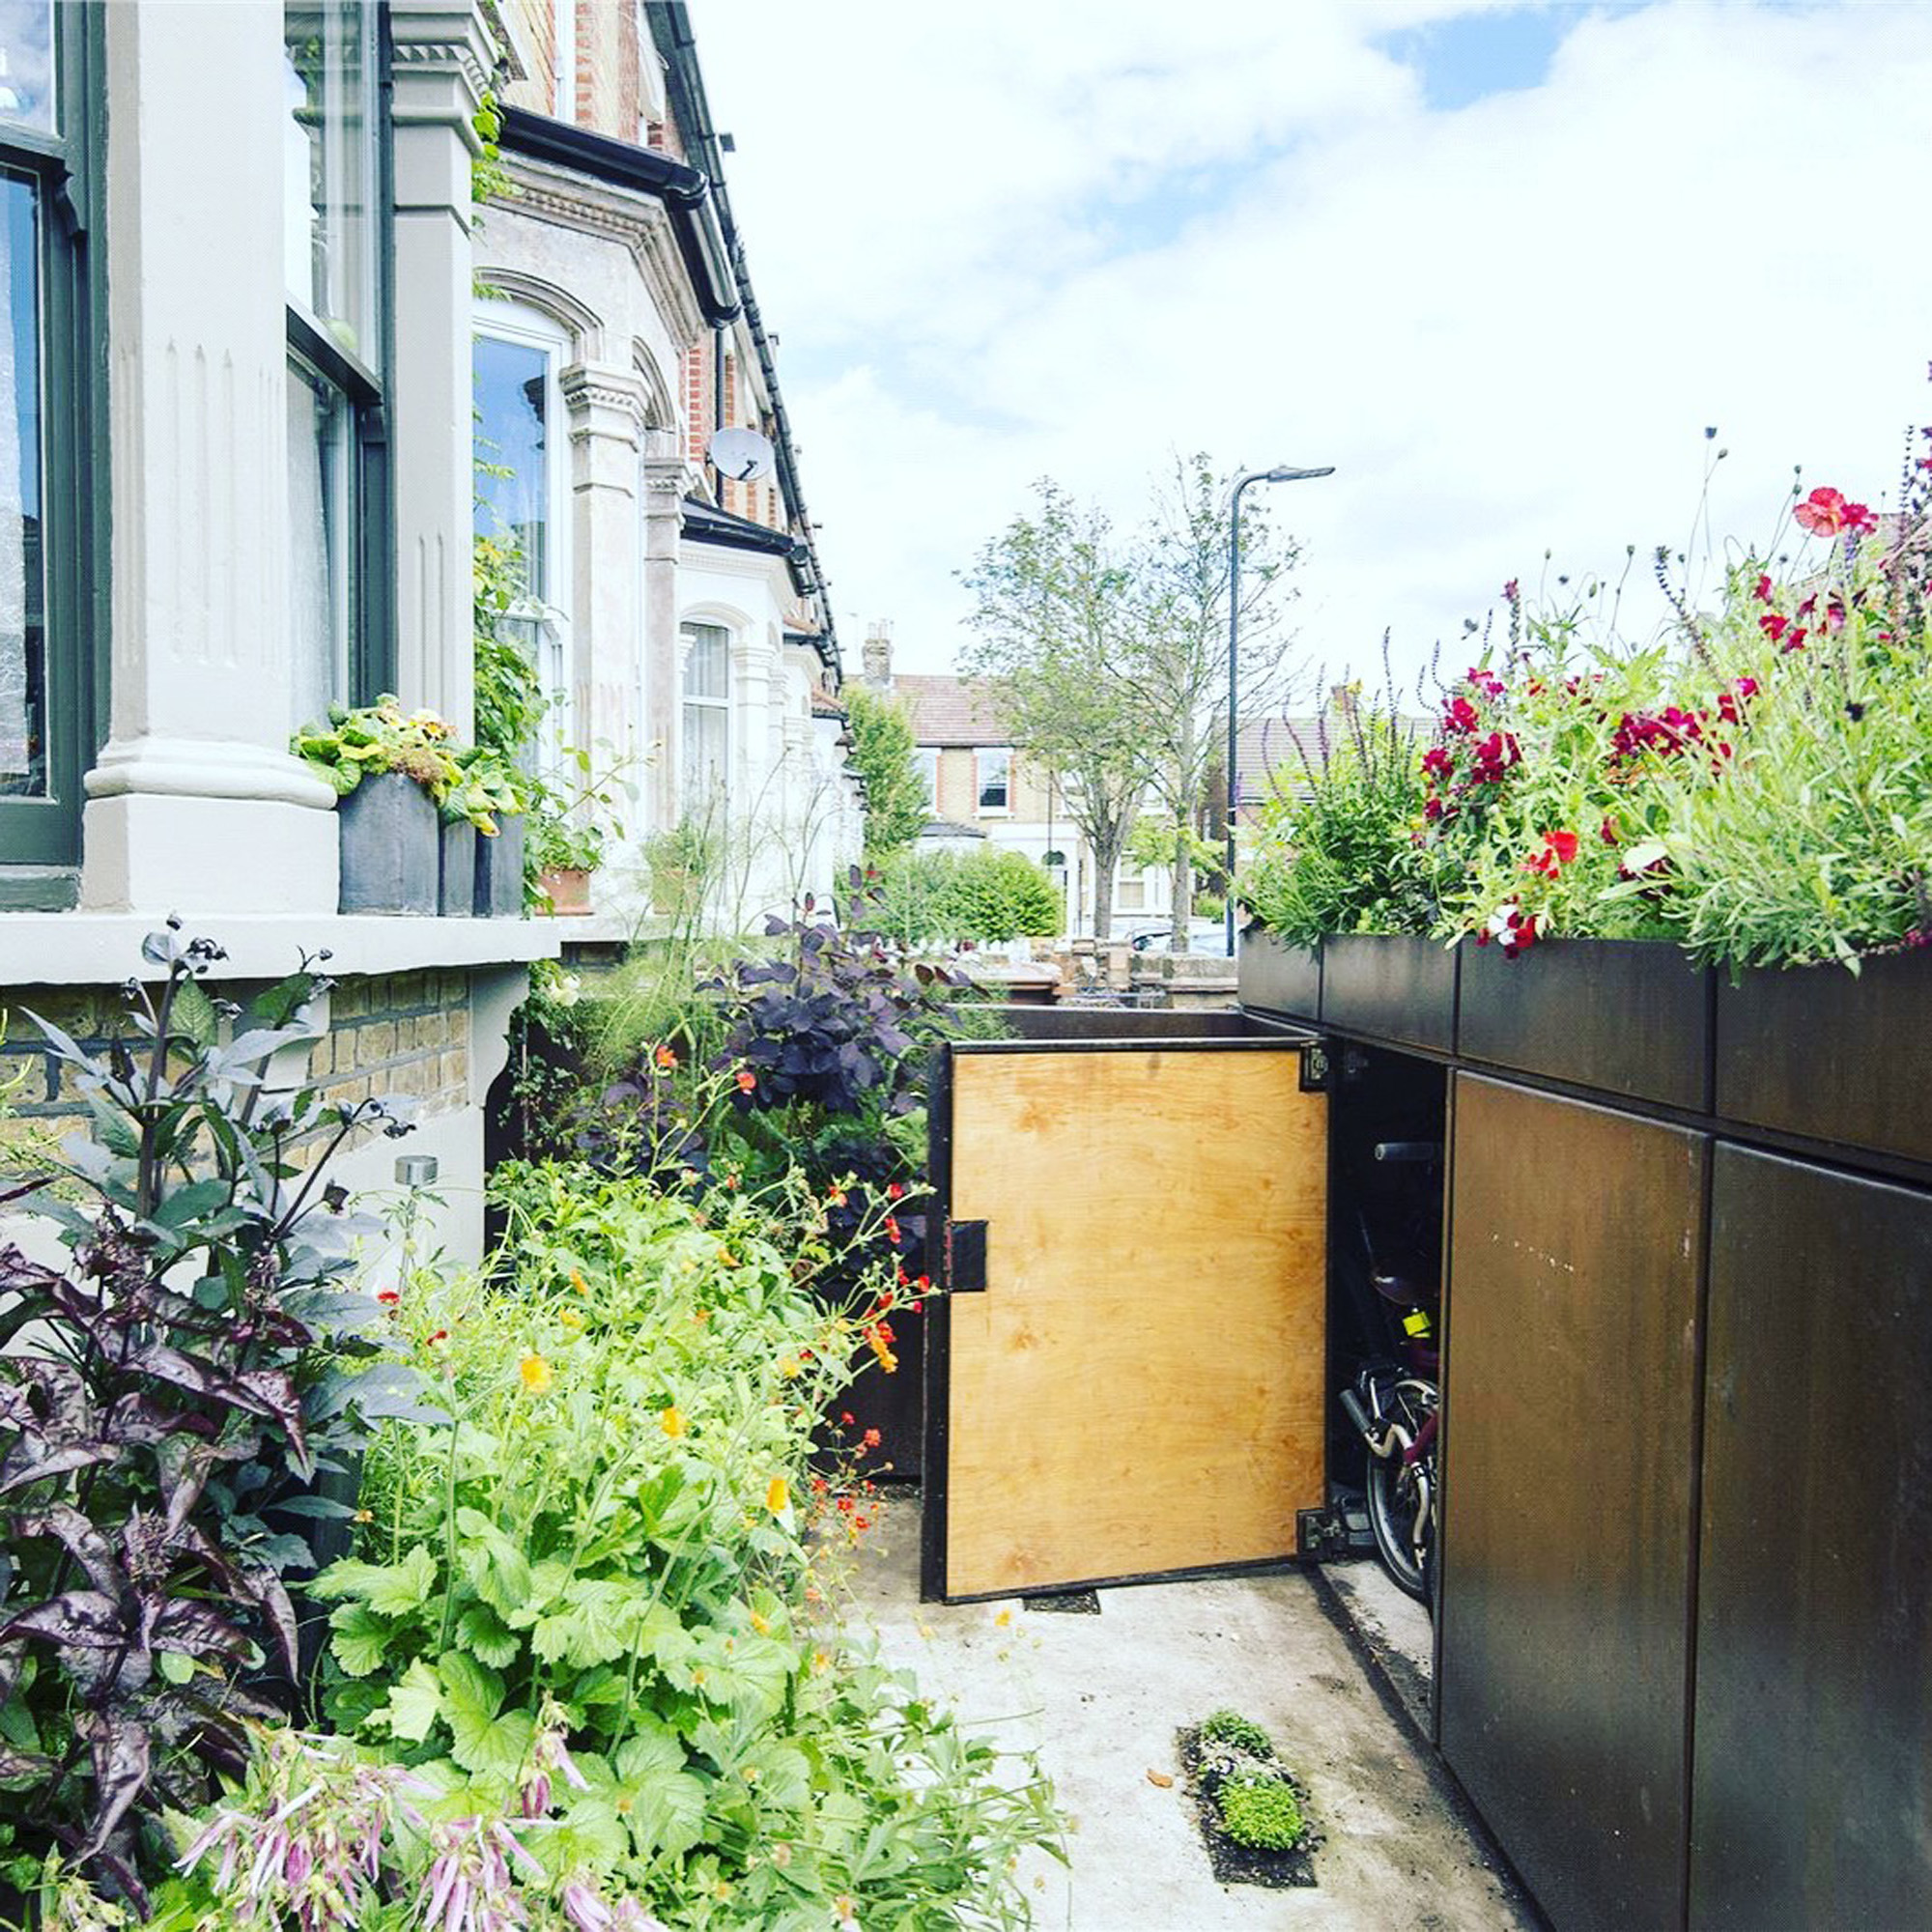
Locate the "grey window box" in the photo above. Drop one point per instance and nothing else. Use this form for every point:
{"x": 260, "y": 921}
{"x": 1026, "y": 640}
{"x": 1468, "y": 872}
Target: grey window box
{"x": 389, "y": 830}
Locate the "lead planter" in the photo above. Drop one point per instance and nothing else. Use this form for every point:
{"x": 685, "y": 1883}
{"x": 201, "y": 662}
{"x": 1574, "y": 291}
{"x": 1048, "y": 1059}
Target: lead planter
{"x": 1395, "y": 986}
{"x": 456, "y": 871}
{"x": 1838, "y": 1056}
{"x": 389, "y": 847}
{"x": 1277, "y": 977}
{"x": 499, "y": 880}
{"x": 1626, "y": 1016}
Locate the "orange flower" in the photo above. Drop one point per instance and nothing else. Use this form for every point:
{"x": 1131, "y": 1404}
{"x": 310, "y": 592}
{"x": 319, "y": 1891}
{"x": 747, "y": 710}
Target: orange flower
{"x": 778, "y": 1496}
{"x": 665, "y": 1057}
{"x": 672, "y": 1422}
{"x": 535, "y": 1374}
{"x": 748, "y": 1081}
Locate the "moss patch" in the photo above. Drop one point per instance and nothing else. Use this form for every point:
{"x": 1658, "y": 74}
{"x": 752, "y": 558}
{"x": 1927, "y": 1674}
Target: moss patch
{"x": 1252, "y": 1810}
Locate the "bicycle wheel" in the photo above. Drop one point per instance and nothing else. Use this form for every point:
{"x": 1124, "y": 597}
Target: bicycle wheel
{"x": 1402, "y": 1495}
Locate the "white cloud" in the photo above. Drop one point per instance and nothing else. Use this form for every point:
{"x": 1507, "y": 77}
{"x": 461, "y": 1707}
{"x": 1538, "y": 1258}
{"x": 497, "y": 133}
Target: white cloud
{"x": 1066, "y": 239}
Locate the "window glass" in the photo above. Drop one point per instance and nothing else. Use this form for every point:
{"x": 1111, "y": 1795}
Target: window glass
{"x": 926, "y": 762}
{"x": 328, "y": 81}
{"x": 707, "y": 675}
{"x": 320, "y": 475}
{"x": 513, "y": 485}
{"x": 27, "y": 91}
{"x": 995, "y": 768}
{"x": 23, "y": 669}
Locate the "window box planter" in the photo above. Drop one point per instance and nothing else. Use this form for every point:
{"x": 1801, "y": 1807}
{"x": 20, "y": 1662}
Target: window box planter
{"x": 1277, "y": 977}
{"x": 1626, "y": 1016}
{"x": 389, "y": 847}
{"x": 567, "y": 889}
{"x": 1816, "y": 1051}
{"x": 499, "y": 880}
{"x": 456, "y": 869}
{"x": 1396, "y": 986}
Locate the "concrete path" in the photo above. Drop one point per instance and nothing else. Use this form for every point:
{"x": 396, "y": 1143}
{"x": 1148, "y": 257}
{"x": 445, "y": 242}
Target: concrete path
{"x": 1102, "y": 1697}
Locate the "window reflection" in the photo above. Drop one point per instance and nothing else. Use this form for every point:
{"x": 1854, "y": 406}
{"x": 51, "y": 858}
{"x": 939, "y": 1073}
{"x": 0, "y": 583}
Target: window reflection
{"x": 328, "y": 161}
{"x": 23, "y": 671}
{"x": 319, "y": 478}
{"x": 707, "y": 690}
{"x": 513, "y": 455}
{"x": 27, "y": 64}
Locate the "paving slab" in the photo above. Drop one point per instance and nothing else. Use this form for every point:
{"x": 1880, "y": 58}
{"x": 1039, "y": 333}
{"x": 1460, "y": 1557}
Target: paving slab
{"x": 1102, "y": 1697}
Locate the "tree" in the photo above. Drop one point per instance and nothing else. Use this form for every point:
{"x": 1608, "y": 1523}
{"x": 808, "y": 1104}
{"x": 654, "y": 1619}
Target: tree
{"x": 1051, "y": 602}
{"x": 1176, "y": 663}
{"x": 882, "y": 755}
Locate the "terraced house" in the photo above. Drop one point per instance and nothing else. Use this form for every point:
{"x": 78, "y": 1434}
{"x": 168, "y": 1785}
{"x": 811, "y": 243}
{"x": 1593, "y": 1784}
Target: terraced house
{"x": 260, "y": 333}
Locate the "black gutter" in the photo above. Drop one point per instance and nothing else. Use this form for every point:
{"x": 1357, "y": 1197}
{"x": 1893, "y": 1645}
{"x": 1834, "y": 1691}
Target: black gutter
{"x": 686, "y": 193}
{"x": 704, "y": 522}
{"x": 671, "y": 31}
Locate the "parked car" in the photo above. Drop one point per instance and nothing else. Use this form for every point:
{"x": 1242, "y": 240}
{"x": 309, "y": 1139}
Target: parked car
{"x": 1205, "y": 936}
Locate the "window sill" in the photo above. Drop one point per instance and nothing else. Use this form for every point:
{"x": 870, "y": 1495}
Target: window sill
{"x": 103, "y": 948}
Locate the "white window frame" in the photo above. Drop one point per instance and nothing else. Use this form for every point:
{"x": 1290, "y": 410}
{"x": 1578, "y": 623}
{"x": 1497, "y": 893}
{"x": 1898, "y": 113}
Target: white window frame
{"x": 549, "y": 606}
{"x": 925, "y": 762}
{"x": 688, "y": 798}
{"x": 980, "y": 757}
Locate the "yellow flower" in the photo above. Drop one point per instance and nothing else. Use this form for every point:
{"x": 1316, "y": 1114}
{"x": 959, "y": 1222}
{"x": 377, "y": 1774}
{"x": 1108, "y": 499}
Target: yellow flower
{"x": 577, "y": 1282}
{"x": 1004, "y": 1619}
{"x": 821, "y": 1661}
{"x": 672, "y": 1422}
{"x": 536, "y": 1375}
{"x": 788, "y": 1367}
{"x": 571, "y": 1319}
{"x": 762, "y": 1625}
{"x": 778, "y": 1495}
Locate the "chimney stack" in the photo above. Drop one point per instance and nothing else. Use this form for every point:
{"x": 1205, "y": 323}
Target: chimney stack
{"x": 878, "y": 657}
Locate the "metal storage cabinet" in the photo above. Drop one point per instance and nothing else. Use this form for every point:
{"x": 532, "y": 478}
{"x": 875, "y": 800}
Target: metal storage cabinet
{"x": 1570, "y": 1440}
{"x": 1813, "y": 1787}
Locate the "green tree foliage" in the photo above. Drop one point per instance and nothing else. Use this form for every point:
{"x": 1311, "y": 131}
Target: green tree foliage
{"x": 882, "y": 754}
{"x": 1054, "y": 611}
{"x": 991, "y": 894}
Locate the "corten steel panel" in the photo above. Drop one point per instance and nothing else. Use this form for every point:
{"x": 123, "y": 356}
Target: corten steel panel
{"x": 1812, "y": 1795}
{"x": 1617, "y": 1014}
{"x": 1569, "y": 1437}
{"x": 1140, "y": 1387}
{"x": 1394, "y": 987}
{"x": 1818, "y": 1051}
{"x": 1277, "y": 977}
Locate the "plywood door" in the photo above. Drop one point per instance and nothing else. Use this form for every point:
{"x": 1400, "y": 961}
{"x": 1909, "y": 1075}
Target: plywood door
{"x": 1140, "y": 1390}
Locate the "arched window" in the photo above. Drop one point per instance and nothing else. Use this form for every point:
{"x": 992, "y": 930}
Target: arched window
{"x": 707, "y": 716}
{"x": 522, "y": 491}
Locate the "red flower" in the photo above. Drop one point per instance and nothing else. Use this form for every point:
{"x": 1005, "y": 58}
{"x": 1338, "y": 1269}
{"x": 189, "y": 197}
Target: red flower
{"x": 845, "y": 1418}
{"x": 1774, "y": 625}
{"x": 1485, "y": 681}
{"x": 1607, "y": 832}
{"x": 1433, "y": 810}
{"x": 1460, "y": 715}
{"x": 1826, "y": 512}
{"x": 388, "y": 1297}
{"x": 892, "y": 1229}
{"x": 1437, "y": 761}
{"x": 748, "y": 1081}
{"x": 1559, "y": 848}
{"x": 894, "y": 1191}
{"x": 1795, "y": 640}
{"x": 871, "y": 1438}
{"x": 1763, "y": 592}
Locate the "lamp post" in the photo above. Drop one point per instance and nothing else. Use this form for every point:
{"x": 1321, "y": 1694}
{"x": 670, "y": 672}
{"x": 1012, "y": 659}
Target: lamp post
{"x": 1280, "y": 474}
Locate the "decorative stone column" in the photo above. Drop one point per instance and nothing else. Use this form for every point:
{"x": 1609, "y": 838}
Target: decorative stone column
{"x": 667, "y": 480}
{"x": 195, "y": 803}
{"x": 442, "y": 58}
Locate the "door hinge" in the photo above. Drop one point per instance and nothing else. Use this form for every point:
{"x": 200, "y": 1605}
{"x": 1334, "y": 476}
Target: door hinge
{"x": 1320, "y": 1534}
{"x": 966, "y": 1256}
{"x": 1315, "y": 1067}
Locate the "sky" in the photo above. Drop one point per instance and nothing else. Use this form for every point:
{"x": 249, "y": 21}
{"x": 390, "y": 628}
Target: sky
{"x": 1503, "y": 265}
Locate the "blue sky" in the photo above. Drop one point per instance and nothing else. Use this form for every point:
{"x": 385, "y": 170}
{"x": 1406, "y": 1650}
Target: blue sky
{"x": 1499, "y": 265}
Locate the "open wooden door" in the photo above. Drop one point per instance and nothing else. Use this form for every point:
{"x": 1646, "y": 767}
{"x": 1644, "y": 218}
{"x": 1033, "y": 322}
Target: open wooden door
{"x": 1126, "y": 1376}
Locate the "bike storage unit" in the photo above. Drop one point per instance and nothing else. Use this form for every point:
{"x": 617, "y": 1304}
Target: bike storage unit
{"x": 1684, "y": 1617}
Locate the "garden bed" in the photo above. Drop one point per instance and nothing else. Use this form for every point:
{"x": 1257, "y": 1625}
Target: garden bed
{"x": 1216, "y": 1769}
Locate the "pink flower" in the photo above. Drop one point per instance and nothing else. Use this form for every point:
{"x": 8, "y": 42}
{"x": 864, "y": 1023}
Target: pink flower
{"x": 1826, "y": 512}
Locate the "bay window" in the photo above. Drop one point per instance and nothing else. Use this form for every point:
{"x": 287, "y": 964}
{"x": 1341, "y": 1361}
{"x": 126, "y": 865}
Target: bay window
{"x": 341, "y": 566}
{"x": 50, "y": 495}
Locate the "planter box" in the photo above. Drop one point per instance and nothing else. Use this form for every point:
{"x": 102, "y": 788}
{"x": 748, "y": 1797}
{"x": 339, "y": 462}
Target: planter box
{"x": 1626, "y": 1016}
{"x": 499, "y": 880}
{"x": 1393, "y": 987}
{"x": 456, "y": 871}
{"x": 1816, "y": 1051}
{"x": 1277, "y": 977}
{"x": 567, "y": 888}
{"x": 388, "y": 831}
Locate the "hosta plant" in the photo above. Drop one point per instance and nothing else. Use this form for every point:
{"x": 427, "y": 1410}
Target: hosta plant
{"x": 168, "y": 1396}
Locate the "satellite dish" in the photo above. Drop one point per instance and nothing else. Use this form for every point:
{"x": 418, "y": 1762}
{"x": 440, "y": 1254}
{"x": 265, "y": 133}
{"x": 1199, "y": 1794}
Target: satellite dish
{"x": 743, "y": 455}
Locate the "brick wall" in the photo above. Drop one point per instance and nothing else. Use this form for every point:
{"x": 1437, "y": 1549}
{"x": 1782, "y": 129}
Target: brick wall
{"x": 404, "y": 1034}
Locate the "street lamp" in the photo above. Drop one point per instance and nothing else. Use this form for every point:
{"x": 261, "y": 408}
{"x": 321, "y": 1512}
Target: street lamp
{"x": 1280, "y": 474}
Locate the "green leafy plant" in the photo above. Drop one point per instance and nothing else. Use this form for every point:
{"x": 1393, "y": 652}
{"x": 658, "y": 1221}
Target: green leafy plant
{"x": 1227, "y": 1726}
{"x": 543, "y": 1586}
{"x": 167, "y": 1399}
{"x": 992, "y": 895}
{"x": 378, "y": 738}
{"x": 1261, "y": 1813}
{"x": 882, "y": 755}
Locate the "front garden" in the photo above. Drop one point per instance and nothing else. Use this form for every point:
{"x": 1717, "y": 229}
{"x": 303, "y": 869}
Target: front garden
{"x": 408, "y": 1596}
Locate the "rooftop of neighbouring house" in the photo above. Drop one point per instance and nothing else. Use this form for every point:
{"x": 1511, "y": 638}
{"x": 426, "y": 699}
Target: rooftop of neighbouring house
{"x": 950, "y": 711}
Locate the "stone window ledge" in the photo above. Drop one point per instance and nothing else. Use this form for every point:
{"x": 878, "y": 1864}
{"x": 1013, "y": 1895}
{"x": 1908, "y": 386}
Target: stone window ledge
{"x": 103, "y": 948}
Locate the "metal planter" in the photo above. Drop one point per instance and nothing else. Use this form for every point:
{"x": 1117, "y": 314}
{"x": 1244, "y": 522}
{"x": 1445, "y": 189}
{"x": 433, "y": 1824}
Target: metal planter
{"x": 499, "y": 878}
{"x": 1277, "y": 977}
{"x": 456, "y": 873}
{"x": 389, "y": 847}
{"x": 1393, "y": 986}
